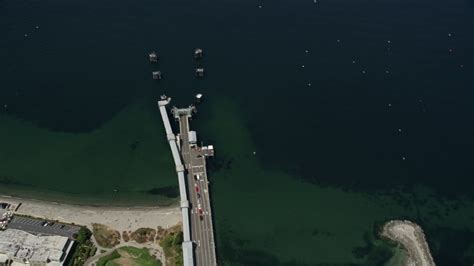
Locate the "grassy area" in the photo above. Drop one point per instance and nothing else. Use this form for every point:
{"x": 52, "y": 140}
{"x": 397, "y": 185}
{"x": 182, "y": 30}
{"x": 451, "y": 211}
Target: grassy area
{"x": 105, "y": 236}
{"x": 129, "y": 256}
{"x": 84, "y": 249}
{"x": 171, "y": 245}
{"x": 108, "y": 259}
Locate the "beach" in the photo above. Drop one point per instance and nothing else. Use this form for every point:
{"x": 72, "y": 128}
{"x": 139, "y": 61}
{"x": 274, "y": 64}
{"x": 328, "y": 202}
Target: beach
{"x": 117, "y": 218}
{"x": 412, "y": 238}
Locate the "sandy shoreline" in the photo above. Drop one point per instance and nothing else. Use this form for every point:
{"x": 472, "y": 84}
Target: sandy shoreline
{"x": 118, "y": 218}
{"x": 412, "y": 238}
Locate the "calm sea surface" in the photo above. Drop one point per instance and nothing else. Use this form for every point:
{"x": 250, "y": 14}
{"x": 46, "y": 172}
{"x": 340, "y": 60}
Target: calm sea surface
{"x": 328, "y": 117}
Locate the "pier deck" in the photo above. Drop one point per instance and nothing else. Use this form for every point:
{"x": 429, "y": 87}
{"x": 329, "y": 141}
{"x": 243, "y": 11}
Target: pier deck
{"x": 202, "y": 232}
{"x": 197, "y": 222}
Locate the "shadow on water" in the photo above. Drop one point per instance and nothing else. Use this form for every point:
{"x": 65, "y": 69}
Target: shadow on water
{"x": 219, "y": 163}
{"x": 232, "y": 251}
{"x": 168, "y": 191}
{"x": 8, "y": 181}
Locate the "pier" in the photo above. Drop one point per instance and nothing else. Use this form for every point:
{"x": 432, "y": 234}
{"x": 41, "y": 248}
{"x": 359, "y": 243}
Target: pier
{"x": 190, "y": 160}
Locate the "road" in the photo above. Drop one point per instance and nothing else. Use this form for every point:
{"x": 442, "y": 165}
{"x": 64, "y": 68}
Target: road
{"x": 198, "y": 190}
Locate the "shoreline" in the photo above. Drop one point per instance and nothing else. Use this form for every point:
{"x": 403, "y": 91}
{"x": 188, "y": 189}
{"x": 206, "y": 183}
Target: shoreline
{"x": 118, "y": 218}
{"x": 121, "y": 199}
{"x": 411, "y": 236}
{"x": 104, "y": 202}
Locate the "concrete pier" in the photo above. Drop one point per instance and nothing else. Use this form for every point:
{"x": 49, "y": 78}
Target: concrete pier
{"x": 188, "y": 256}
{"x": 193, "y": 182}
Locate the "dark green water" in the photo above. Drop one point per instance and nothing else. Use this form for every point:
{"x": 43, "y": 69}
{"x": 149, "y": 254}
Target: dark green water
{"x": 382, "y": 81}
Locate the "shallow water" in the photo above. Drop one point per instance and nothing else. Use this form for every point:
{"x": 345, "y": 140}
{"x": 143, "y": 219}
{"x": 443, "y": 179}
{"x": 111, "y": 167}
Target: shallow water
{"x": 358, "y": 111}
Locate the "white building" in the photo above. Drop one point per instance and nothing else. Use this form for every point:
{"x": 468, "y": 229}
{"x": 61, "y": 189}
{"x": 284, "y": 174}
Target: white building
{"x": 192, "y": 137}
{"x": 21, "y": 248}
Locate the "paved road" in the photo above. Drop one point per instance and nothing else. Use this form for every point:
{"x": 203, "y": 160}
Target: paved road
{"x": 35, "y": 226}
{"x": 198, "y": 190}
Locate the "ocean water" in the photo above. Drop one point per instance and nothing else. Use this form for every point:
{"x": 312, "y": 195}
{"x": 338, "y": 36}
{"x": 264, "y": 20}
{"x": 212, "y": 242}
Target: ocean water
{"x": 357, "y": 111}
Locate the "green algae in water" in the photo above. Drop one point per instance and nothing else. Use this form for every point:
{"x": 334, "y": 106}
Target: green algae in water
{"x": 126, "y": 161}
{"x": 267, "y": 217}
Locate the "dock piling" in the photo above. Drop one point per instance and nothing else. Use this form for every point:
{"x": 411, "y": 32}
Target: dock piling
{"x": 198, "y": 53}
{"x": 200, "y": 72}
{"x": 153, "y": 56}
{"x": 156, "y": 75}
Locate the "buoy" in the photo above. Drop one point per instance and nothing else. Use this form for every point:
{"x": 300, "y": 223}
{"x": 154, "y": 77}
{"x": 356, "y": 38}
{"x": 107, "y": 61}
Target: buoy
{"x": 403, "y": 158}
{"x": 302, "y": 66}
{"x": 254, "y": 152}
{"x": 389, "y": 105}
{"x": 309, "y": 84}
{"x": 199, "y": 96}
{"x": 399, "y": 130}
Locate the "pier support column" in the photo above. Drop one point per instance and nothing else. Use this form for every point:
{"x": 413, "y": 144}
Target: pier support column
{"x": 185, "y": 204}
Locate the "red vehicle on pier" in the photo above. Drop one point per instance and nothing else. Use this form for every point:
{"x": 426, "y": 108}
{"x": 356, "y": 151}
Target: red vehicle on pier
{"x": 200, "y": 211}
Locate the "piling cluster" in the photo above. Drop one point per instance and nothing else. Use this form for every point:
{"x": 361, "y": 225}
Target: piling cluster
{"x": 198, "y": 68}
{"x": 198, "y": 55}
{"x": 153, "y": 57}
{"x": 199, "y": 71}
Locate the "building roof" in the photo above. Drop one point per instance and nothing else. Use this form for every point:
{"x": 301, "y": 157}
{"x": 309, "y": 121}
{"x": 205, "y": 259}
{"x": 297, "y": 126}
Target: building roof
{"x": 192, "y": 137}
{"x": 3, "y": 258}
{"x": 23, "y": 247}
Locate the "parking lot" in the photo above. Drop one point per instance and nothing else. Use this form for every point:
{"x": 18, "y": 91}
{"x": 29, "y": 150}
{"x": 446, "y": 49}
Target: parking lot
{"x": 43, "y": 227}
